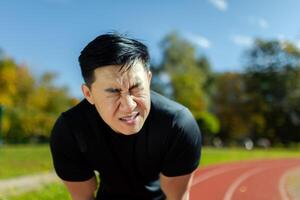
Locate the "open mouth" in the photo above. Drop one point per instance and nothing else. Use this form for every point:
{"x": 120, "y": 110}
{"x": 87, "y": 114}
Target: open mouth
{"x": 130, "y": 118}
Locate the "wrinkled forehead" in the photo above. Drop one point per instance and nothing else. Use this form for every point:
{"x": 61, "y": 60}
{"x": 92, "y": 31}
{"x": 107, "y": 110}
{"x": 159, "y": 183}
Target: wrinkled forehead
{"x": 117, "y": 74}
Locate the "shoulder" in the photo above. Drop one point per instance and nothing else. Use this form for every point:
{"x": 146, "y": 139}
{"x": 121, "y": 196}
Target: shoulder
{"x": 173, "y": 116}
{"x": 72, "y": 126}
{"x": 81, "y": 115}
{"x": 72, "y": 116}
{"x": 179, "y": 133}
{"x": 78, "y": 110}
{"x": 162, "y": 107}
{"x": 68, "y": 145}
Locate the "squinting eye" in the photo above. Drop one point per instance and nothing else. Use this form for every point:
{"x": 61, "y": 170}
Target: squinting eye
{"x": 115, "y": 91}
{"x": 111, "y": 90}
{"x": 136, "y": 90}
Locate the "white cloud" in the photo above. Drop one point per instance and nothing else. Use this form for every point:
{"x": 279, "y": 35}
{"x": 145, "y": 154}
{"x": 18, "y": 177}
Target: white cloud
{"x": 199, "y": 40}
{"x": 242, "y": 40}
{"x": 261, "y": 22}
{"x": 281, "y": 37}
{"x": 219, "y": 4}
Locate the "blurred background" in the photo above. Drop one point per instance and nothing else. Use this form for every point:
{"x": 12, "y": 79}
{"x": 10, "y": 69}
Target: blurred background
{"x": 235, "y": 64}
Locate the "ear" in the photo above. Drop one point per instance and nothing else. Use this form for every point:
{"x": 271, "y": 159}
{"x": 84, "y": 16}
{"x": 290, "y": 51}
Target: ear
{"x": 149, "y": 76}
{"x": 87, "y": 93}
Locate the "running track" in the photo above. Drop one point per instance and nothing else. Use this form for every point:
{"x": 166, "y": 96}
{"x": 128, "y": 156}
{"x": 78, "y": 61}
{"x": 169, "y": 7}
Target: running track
{"x": 251, "y": 180}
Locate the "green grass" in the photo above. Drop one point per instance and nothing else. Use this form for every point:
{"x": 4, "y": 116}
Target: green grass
{"x": 50, "y": 192}
{"x": 16, "y": 160}
{"x": 215, "y": 156}
{"x": 33, "y": 159}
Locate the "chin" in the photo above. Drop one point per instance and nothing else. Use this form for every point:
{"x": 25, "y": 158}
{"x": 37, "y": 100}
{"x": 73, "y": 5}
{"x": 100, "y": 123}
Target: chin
{"x": 131, "y": 131}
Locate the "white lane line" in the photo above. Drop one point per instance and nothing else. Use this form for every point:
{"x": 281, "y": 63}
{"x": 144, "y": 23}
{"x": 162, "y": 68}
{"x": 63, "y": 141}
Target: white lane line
{"x": 282, "y": 190}
{"x": 215, "y": 172}
{"x": 229, "y": 193}
{"x": 26, "y": 183}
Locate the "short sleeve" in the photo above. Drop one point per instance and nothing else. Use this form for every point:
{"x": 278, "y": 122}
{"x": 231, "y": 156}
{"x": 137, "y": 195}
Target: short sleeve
{"x": 69, "y": 163}
{"x": 184, "y": 146}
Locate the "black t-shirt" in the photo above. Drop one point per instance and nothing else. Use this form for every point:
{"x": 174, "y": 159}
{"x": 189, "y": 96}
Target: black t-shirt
{"x": 129, "y": 166}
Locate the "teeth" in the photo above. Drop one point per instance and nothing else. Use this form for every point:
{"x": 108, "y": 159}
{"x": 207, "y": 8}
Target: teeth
{"x": 129, "y": 118}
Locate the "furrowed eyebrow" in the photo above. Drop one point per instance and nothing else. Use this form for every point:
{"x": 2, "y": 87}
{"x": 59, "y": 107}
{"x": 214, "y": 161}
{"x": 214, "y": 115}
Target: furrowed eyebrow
{"x": 116, "y": 90}
{"x": 112, "y": 90}
{"x": 137, "y": 84}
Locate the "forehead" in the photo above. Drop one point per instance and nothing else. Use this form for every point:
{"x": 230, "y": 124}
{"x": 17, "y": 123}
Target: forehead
{"x": 112, "y": 73}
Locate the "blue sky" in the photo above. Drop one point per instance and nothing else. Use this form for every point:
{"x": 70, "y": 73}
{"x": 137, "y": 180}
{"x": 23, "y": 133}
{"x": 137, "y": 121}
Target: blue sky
{"x": 48, "y": 35}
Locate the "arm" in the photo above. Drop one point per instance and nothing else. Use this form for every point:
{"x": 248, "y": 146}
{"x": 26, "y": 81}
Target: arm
{"x": 83, "y": 190}
{"x": 69, "y": 162}
{"x": 176, "y": 188}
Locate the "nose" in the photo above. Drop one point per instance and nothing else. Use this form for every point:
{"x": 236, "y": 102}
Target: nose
{"x": 127, "y": 104}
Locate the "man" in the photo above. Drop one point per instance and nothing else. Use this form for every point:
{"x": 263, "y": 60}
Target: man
{"x": 143, "y": 145}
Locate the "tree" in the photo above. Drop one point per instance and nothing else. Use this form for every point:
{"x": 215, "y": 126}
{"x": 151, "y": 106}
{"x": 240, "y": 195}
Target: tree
{"x": 31, "y": 104}
{"x": 231, "y": 106}
{"x": 272, "y": 80}
{"x": 187, "y": 79}
{"x": 188, "y": 75}
{"x": 8, "y": 80}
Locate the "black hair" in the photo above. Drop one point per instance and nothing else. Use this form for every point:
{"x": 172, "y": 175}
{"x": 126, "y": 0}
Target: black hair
{"x": 111, "y": 49}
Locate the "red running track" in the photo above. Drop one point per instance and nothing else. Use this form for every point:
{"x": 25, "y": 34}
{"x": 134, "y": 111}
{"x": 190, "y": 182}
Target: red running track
{"x": 251, "y": 180}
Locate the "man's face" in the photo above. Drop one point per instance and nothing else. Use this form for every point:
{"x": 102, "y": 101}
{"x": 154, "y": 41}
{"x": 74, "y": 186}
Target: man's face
{"x": 121, "y": 98}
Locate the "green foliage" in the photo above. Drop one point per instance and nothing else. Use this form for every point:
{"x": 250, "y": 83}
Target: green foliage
{"x": 272, "y": 82}
{"x": 262, "y": 102}
{"x": 8, "y": 80}
{"x": 231, "y": 106}
{"x": 191, "y": 80}
{"x": 209, "y": 123}
{"x": 31, "y": 105}
{"x": 187, "y": 78}
{"x": 184, "y": 86}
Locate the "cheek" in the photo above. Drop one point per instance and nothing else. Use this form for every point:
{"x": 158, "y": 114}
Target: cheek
{"x": 106, "y": 108}
{"x": 143, "y": 101}
{"x": 112, "y": 108}
{"x": 143, "y": 94}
